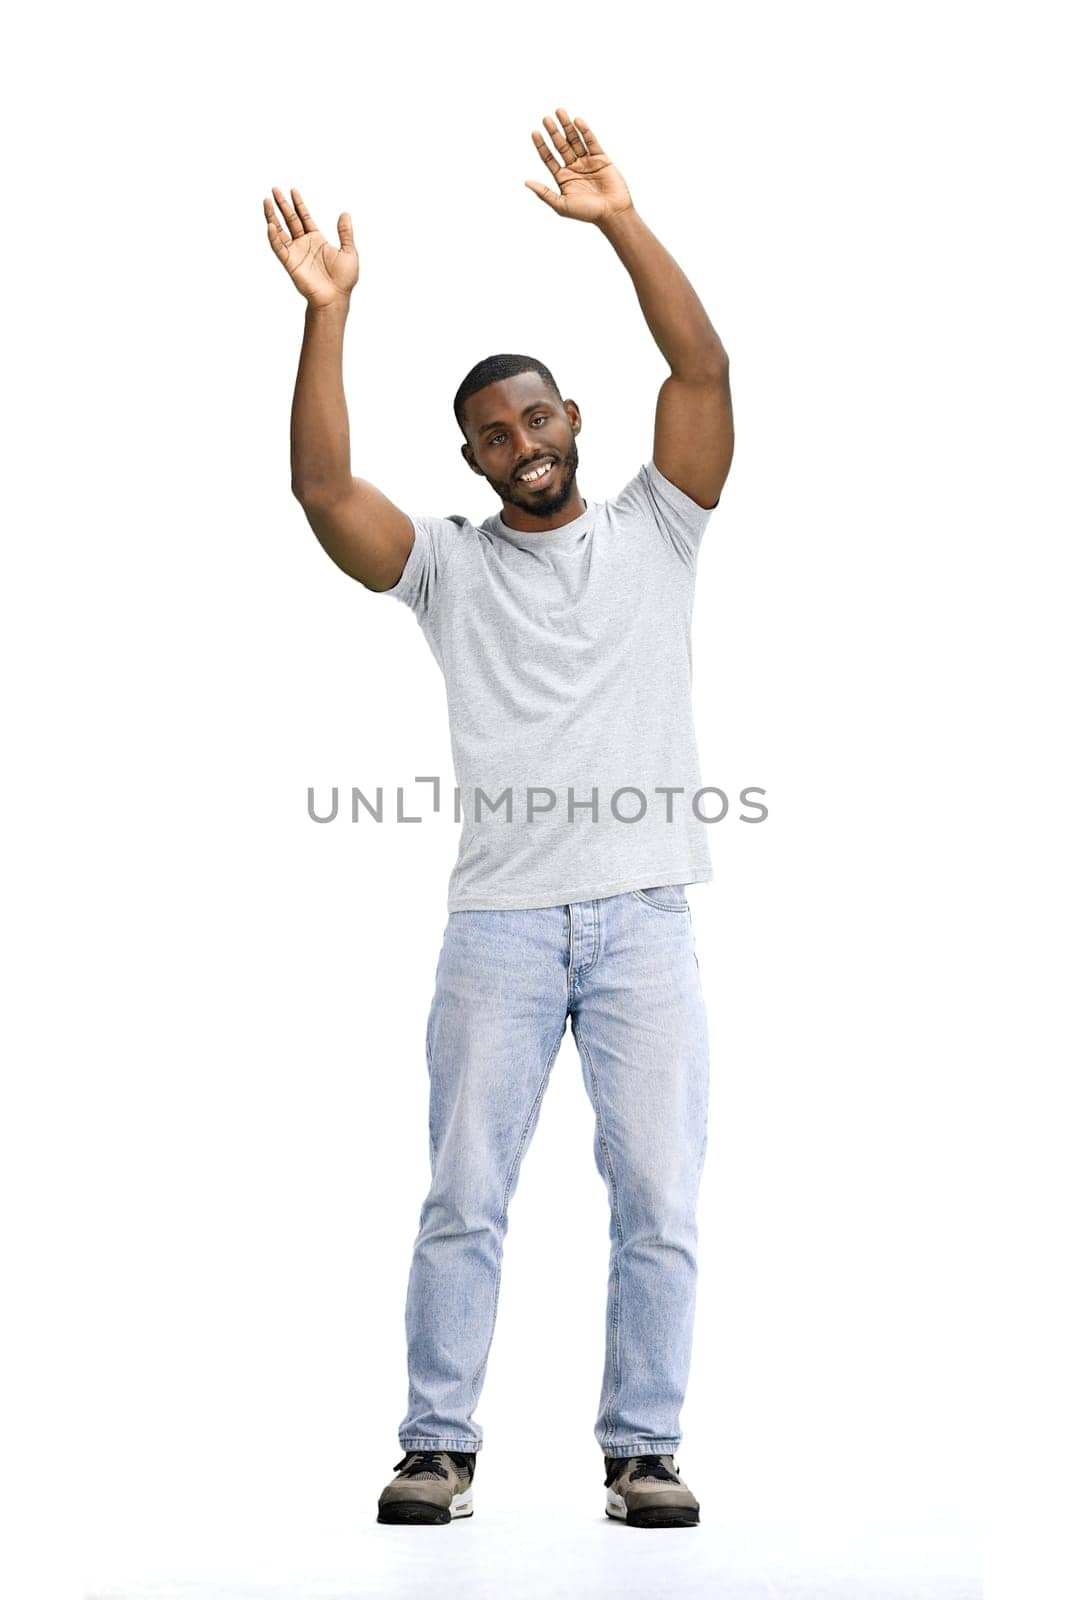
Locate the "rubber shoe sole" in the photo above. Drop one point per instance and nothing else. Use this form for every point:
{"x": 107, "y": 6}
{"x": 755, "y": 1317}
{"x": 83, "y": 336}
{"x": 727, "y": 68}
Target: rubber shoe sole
{"x": 413, "y": 1511}
{"x": 651, "y": 1516}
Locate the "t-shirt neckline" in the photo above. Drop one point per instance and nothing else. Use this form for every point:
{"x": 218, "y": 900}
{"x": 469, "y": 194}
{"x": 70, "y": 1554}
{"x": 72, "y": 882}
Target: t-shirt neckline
{"x": 495, "y": 525}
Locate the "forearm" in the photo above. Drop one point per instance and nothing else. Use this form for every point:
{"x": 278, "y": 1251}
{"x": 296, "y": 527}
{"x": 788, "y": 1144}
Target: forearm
{"x": 676, "y": 319}
{"x": 320, "y": 452}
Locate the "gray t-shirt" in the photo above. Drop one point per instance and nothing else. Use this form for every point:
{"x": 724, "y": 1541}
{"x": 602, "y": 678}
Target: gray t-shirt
{"x": 567, "y": 660}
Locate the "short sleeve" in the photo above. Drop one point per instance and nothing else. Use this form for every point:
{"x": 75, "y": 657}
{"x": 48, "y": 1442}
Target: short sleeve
{"x": 679, "y": 520}
{"x": 419, "y": 585}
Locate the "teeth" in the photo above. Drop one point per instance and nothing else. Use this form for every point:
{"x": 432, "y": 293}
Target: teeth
{"x": 532, "y": 477}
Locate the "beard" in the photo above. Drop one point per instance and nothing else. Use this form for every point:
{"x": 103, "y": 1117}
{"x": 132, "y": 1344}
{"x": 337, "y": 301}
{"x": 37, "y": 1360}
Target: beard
{"x": 542, "y": 502}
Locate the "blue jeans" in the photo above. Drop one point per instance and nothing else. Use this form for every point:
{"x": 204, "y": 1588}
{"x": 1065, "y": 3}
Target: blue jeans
{"x": 625, "y": 970}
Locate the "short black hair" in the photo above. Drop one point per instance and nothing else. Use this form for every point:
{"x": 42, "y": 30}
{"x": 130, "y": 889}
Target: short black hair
{"x": 493, "y": 370}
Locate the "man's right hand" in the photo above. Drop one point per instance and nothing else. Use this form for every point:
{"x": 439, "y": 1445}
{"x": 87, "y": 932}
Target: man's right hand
{"x": 324, "y": 275}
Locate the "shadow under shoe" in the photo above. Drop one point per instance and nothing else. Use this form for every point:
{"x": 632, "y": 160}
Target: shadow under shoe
{"x": 648, "y": 1492}
{"x": 430, "y": 1486}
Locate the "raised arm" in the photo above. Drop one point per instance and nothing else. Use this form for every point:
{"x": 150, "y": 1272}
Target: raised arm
{"x": 694, "y": 434}
{"x": 361, "y": 530}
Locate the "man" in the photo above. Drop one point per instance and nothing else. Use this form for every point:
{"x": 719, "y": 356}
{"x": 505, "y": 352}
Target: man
{"x": 562, "y": 629}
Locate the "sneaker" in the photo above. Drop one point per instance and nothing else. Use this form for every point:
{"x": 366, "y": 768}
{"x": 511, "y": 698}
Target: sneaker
{"x": 430, "y": 1486}
{"x": 648, "y": 1492}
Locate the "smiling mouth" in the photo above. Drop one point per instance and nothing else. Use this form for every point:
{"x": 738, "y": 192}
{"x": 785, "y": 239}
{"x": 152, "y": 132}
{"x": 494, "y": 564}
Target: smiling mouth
{"x": 544, "y": 475}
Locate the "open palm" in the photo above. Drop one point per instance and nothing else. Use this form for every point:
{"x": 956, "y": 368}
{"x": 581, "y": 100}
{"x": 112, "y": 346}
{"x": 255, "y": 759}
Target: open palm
{"x": 322, "y": 272}
{"x": 591, "y": 187}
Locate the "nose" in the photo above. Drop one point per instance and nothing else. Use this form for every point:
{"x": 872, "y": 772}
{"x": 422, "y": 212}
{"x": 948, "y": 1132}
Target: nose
{"x": 528, "y": 451}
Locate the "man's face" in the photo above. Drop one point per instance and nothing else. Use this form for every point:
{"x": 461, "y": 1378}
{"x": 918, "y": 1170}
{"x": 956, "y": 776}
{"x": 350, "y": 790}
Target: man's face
{"x": 515, "y": 426}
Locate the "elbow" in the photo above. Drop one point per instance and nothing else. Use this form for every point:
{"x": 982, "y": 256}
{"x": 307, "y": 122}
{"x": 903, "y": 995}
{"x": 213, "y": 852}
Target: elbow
{"x": 321, "y": 490}
{"x": 308, "y": 492}
{"x": 710, "y": 368}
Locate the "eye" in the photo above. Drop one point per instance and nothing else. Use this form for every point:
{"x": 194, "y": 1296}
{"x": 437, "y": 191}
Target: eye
{"x": 541, "y": 417}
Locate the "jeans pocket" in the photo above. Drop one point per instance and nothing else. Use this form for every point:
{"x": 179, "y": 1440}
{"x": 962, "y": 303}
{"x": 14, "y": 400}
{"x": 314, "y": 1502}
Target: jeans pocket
{"x": 665, "y": 897}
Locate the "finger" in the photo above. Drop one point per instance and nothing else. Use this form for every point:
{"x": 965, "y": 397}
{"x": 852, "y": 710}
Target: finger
{"x": 280, "y": 201}
{"x": 295, "y": 226}
{"x": 559, "y": 141}
{"x": 574, "y": 138}
{"x": 547, "y": 195}
{"x": 344, "y": 232}
{"x": 279, "y": 241}
{"x": 545, "y": 153}
{"x": 589, "y": 136}
{"x": 303, "y": 213}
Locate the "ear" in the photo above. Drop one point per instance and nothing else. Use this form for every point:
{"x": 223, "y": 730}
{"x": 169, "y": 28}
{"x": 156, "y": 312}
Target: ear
{"x": 574, "y": 414}
{"x": 468, "y": 455}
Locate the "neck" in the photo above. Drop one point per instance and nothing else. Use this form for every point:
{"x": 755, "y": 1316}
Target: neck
{"x": 521, "y": 521}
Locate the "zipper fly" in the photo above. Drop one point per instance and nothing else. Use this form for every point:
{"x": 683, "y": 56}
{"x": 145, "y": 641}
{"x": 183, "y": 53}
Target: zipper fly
{"x": 584, "y": 918}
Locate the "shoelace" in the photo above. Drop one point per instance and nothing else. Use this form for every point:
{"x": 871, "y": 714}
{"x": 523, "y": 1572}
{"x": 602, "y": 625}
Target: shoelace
{"x": 653, "y": 1467}
{"x": 428, "y": 1463}
{"x": 647, "y": 1467}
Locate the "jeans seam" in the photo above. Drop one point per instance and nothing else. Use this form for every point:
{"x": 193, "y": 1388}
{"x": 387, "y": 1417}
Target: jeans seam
{"x": 640, "y": 1447}
{"x": 502, "y": 1220}
{"x": 423, "y": 1442}
{"x": 429, "y": 1067}
{"x": 616, "y": 1211}
{"x": 661, "y": 905}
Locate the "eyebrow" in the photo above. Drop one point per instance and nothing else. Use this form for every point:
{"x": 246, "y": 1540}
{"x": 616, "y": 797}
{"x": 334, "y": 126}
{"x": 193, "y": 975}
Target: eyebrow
{"x": 537, "y": 405}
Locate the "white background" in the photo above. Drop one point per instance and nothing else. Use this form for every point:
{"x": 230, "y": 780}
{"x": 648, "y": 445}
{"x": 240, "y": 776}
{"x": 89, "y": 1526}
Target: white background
{"x": 214, "y": 1142}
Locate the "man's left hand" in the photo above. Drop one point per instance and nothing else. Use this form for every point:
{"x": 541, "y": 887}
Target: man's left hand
{"x": 591, "y": 187}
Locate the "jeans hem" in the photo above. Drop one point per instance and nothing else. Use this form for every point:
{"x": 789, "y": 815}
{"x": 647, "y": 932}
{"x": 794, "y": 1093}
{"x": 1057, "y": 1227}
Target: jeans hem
{"x": 461, "y": 1446}
{"x": 643, "y": 1447}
